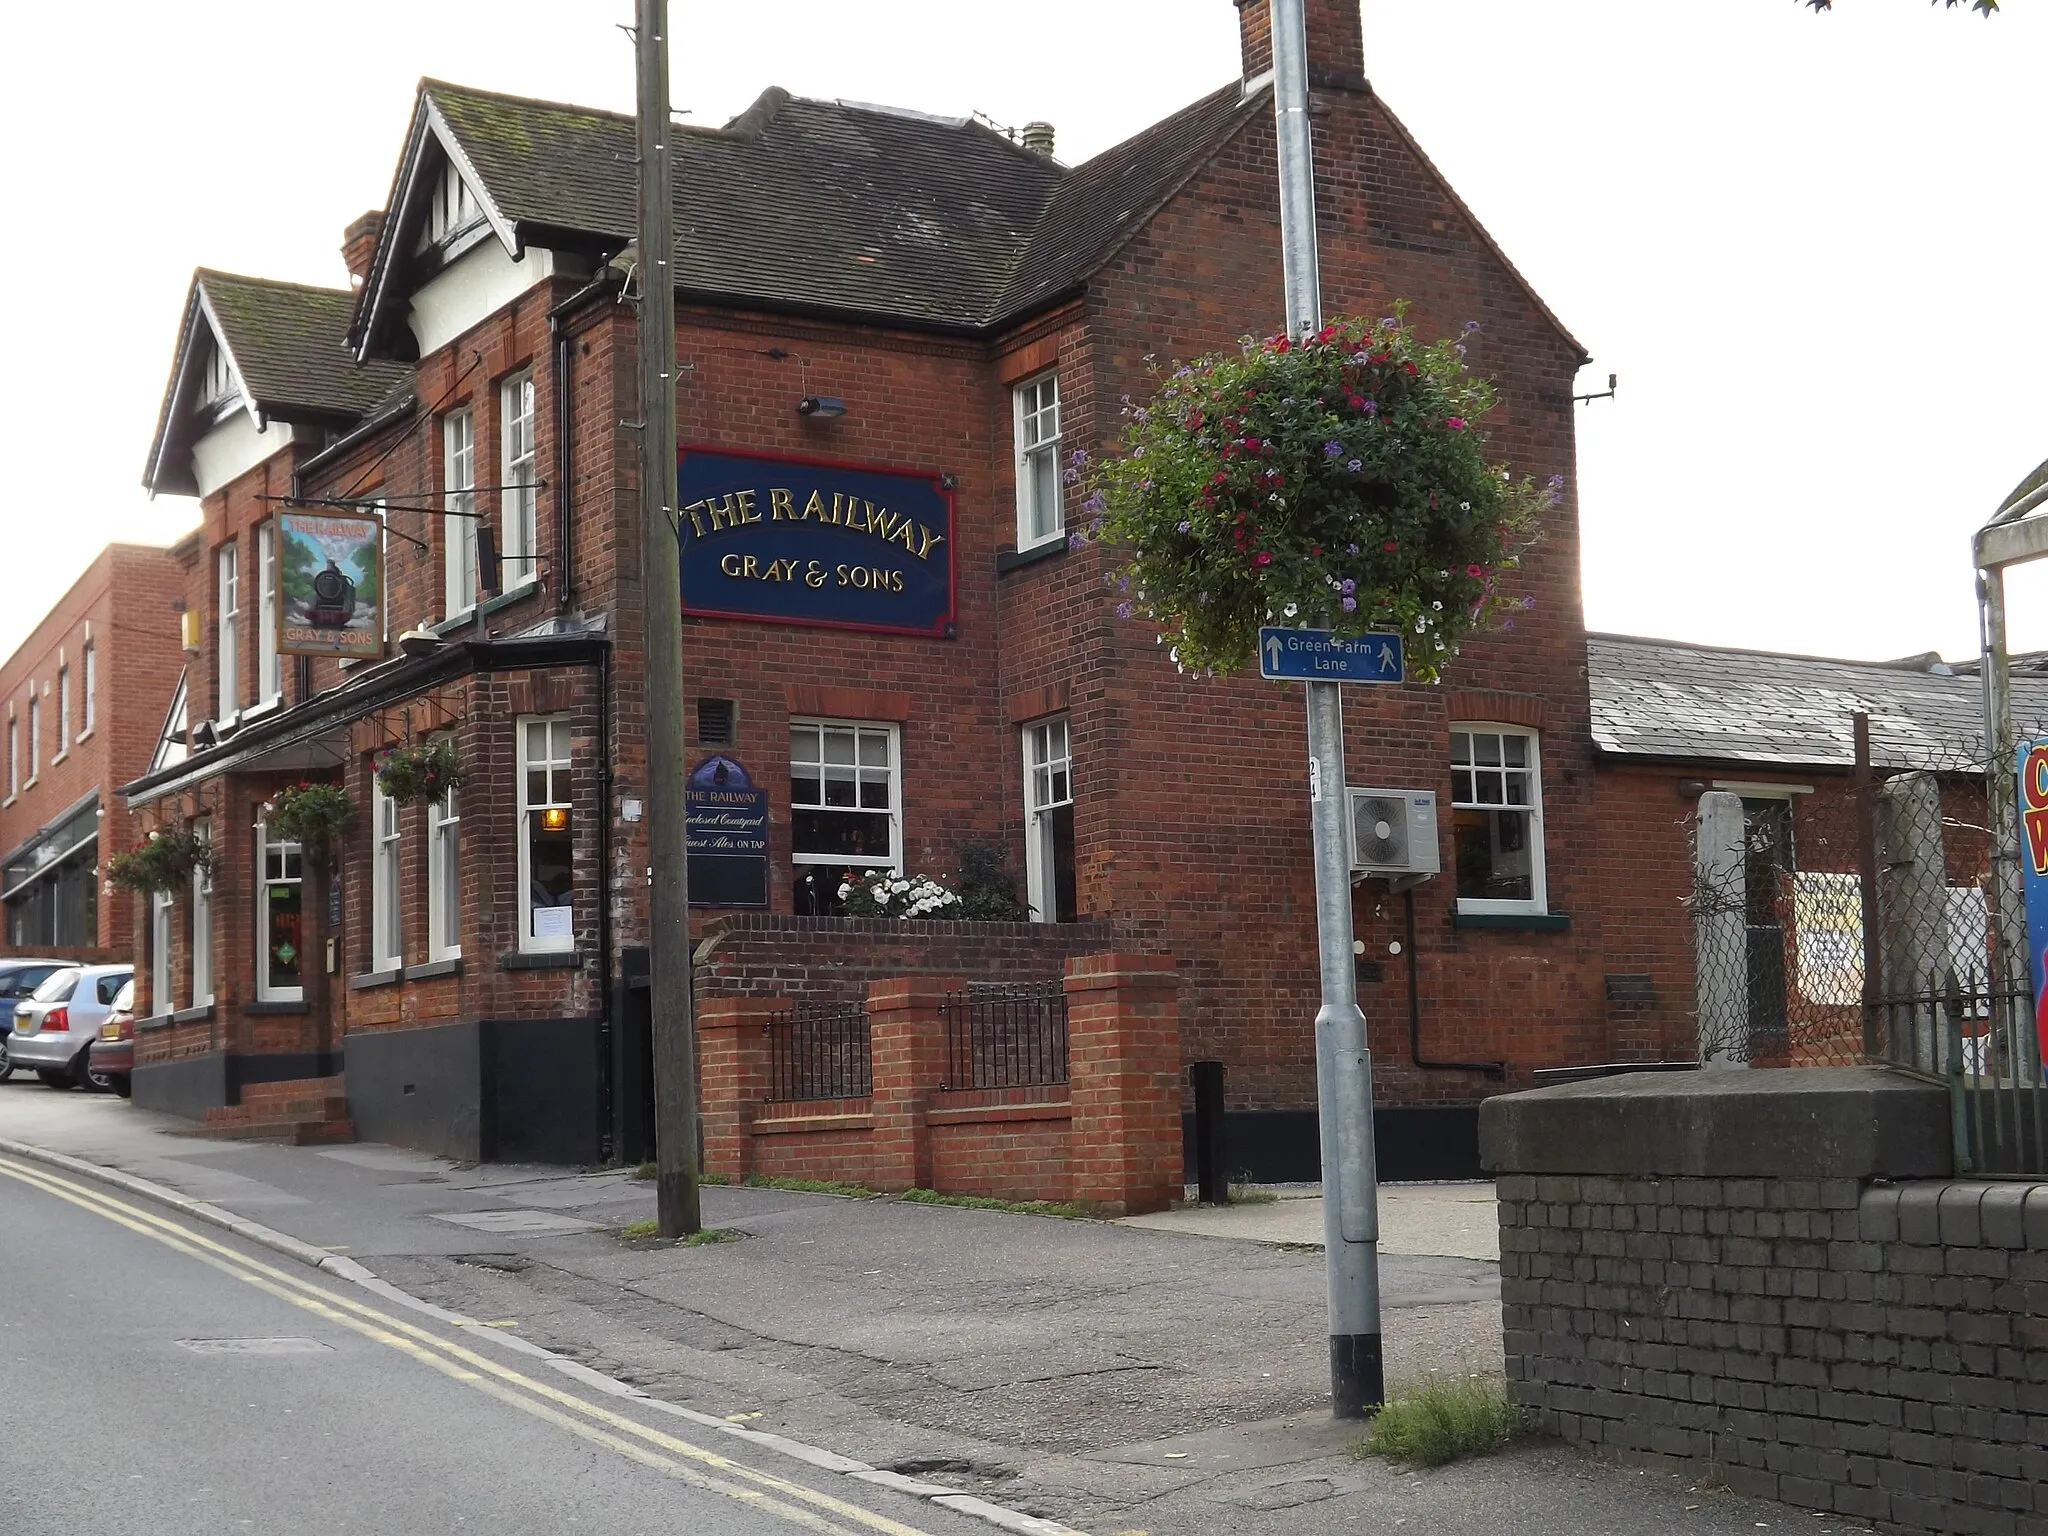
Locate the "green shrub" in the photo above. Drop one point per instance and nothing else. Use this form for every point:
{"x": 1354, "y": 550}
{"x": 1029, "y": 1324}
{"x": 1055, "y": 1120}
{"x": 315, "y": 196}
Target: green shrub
{"x": 1444, "y": 1419}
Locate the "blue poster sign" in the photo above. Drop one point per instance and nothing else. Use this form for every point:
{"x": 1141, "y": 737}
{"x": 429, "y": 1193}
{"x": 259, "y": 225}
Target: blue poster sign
{"x": 727, "y": 840}
{"x": 2033, "y": 808}
{"x": 1318, "y": 655}
{"x": 806, "y": 541}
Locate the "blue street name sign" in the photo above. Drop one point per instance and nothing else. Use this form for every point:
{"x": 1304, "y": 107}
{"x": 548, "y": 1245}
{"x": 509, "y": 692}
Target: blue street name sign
{"x": 1316, "y": 655}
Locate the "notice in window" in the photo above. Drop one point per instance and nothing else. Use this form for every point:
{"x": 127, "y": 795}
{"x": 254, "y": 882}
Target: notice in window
{"x": 554, "y": 922}
{"x": 1827, "y": 918}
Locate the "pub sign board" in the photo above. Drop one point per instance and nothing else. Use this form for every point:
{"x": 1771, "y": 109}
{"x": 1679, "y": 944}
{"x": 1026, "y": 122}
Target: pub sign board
{"x": 809, "y": 541}
{"x": 330, "y": 580}
{"x": 727, "y": 840}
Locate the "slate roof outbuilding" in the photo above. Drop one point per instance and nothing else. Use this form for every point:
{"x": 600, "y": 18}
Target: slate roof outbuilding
{"x": 1668, "y": 701}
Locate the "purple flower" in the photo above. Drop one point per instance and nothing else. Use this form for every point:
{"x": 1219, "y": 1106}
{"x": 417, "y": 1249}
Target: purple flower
{"x": 1123, "y": 610}
{"x": 1078, "y": 456}
{"x": 1556, "y": 482}
{"x": 1355, "y": 466}
{"x": 1471, "y": 326}
{"x": 1073, "y": 476}
{"x": 1351, "y": 605}
{"x": 1528, "y": 602}
{"x": 1353, "y": 548}
{"x": 1333, "y": 449}
{"x": 1184, "y": 527}
{"x": 1371, "y": 407}
{"x": 1350, "y": 586}
{"x": 1075, "y": 541}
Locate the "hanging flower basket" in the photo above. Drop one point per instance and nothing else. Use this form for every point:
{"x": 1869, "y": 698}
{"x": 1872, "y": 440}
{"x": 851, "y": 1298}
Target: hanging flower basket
{"x": 311, "y": 815}
{"x": 163, "y": 861}
{"x": 884, "y": 893}
{"x": 420, "y": 775}
{"x": 1337, "y": 482}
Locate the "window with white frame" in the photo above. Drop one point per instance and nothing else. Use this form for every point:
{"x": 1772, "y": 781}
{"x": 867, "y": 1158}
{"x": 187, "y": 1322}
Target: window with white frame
{"x": 229, "y": 583}
{"x": 202, "y": 921}
{"x": 518, "y": 531}
{"x": 269, "y": 668}
{"x": 280, "y": 938}
{"x": 458, "y": 500}
{"x": 547, "y": 877}
{"x": 221, "y": 388}
{"x": 1497, "y": 819}
{"x": 387, "y": 916}
{"x": 63, "y": 711}
{"x": 1039, "y": 516}
{"x": 846, "y": 811}
{"x": 444, "y": 878}
{"x": 160, "y": 952}
{"x": 89, "y": 661}
{"x": 13, "y": 757}
{"x": 35, "y": 737}
{"x": 1049, "y": 820}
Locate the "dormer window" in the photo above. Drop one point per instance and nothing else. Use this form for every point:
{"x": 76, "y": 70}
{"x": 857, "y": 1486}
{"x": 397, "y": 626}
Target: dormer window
{"x": 451, "y": 210}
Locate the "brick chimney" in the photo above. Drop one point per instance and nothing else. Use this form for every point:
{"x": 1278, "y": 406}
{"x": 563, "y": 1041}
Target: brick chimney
{"x": 1336, "y": 41}
{"x": 359, "y": 246}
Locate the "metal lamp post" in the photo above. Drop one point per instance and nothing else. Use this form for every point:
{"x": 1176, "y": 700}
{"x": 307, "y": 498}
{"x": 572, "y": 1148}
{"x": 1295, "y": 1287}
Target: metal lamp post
{"x": 1343, "y": 1063}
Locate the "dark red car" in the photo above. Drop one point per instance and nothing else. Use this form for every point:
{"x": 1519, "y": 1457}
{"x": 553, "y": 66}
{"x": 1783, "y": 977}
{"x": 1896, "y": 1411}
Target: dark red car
{"x": 112, "y": 1055}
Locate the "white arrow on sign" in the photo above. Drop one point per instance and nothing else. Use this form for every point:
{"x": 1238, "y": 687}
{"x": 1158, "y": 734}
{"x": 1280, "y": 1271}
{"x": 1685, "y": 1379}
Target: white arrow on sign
{"x": 1273, "y": 650}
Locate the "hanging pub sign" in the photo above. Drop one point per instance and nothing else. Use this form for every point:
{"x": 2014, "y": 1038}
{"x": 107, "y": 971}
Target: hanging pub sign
{"x": 727, "y": 837}
{"x": 331, "y": 585}
{"x": 805, "y": 541}
{"x": 2033, "y": 811}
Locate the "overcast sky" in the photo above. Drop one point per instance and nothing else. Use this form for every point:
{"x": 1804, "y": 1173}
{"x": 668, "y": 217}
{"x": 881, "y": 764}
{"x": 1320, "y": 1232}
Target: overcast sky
{"x": 1809, "y": 244}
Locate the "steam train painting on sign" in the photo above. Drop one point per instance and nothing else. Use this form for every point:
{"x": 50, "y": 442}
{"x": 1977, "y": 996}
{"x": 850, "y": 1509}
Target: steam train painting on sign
{"x": 330, "y": 579}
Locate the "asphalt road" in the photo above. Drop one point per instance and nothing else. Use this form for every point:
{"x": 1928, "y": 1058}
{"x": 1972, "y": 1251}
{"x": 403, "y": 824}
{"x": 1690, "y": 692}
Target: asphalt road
{"x": 159, "y": 1377}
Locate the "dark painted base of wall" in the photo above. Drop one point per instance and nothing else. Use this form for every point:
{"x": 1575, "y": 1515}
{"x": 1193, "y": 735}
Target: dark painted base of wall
{"x": 1281, "y": 1146}
{"x": 195, "y": 1084}
{"x": 490, "y": 1090}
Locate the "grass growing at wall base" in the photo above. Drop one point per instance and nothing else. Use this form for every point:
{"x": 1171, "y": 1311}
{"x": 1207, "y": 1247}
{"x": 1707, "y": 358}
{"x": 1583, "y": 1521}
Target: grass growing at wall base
{"x": 1444, "y": 1419}
{"x": 1066, "y": 1210}
{"x": 649, "y": 1172}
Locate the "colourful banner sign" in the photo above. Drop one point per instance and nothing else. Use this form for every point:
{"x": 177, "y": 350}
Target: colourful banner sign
{"x": 805, "y": 541}
{"x": 2033, "y": 763}
{"x": 330, "y": 585}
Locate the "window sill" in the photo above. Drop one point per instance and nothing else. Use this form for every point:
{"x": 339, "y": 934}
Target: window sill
{"x": 28, "y": 784}
{"x": 264, "y": 1007}
{"x": 10, "y": 800}
{"x": 155, "y": 1022}
{"x": 1524, "y": 922}
{"x": 1008, "y": 560}
{"x": 198, "y": 1013}
{"x": 540, "y": 960}
{"x": 461, "y": 619}
{"x": 269, "y": 706}
{"x": 369, "y": 979}
{"x": 59, "y": 758}
{"x": 83, "y": 736}
{"x": 452, "y": 966}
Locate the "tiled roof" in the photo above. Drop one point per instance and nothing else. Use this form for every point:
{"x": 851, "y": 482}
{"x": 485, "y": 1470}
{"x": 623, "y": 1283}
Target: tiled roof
{"x": 288, "y": 341}
{"x": 839, "y": 205}
{"x": 1668, "y": 700}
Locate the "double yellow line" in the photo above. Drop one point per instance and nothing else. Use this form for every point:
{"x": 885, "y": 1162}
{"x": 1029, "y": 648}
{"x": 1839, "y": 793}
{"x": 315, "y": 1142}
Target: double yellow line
{"x": 664, "y": 1453}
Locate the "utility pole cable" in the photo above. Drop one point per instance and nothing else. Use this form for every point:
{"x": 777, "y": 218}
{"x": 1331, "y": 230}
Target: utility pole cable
{"x": 668, "y": 896}
{"x": 1351, "y": 1228}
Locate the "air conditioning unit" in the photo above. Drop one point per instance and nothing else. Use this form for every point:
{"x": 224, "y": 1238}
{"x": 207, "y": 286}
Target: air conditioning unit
{"x": 1393, "y": 832}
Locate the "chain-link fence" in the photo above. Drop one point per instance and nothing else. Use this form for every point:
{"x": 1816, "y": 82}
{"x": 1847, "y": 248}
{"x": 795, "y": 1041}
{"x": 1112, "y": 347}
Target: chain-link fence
{"x": 1855, "y": 921}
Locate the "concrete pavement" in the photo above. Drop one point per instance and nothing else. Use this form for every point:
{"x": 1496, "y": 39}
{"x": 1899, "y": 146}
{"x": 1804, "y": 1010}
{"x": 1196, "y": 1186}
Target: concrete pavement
{"x": 1111, "y": 1376}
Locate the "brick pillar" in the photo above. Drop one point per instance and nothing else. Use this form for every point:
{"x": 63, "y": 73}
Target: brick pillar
{"x": 907, "y": 1046}
{"x": 1123, "y": 1068}
{"x": 732, "y": 1078}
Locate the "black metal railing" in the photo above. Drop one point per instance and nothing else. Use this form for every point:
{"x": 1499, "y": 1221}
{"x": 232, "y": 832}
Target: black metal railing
{"x": 1006, "y": 1036}
{"x": 1977, "y": 1032}
{"x": 819, "y": 1051}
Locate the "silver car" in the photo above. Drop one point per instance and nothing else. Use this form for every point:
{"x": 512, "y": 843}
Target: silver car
{"x": 18, "y": 980}
{"x": 54, "y": 1030}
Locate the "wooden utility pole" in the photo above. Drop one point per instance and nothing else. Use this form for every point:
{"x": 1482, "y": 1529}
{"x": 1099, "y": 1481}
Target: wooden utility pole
{"x": 668, "y": 897}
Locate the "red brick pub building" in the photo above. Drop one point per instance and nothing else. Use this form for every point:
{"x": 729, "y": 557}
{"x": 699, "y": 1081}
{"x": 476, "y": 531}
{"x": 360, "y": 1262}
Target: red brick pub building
{"x": 892, "y": 328}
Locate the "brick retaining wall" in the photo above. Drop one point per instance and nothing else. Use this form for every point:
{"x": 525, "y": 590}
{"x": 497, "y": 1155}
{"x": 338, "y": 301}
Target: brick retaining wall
{"x": 1856, "y": 1340}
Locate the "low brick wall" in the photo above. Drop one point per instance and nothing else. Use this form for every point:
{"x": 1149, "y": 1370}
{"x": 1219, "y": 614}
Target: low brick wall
{"x": 1109, "y": 1137}
{"x": 1853, "y": 1339}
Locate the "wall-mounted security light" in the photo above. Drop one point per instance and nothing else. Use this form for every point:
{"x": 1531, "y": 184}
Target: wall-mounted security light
{"x": 821, "y": 405}
{"x": 554, "y": 818}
